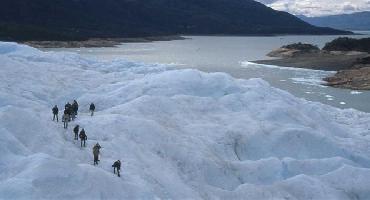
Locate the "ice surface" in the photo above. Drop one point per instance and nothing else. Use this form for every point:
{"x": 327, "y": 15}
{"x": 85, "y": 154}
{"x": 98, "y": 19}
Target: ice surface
{"x": 181, "y": 134}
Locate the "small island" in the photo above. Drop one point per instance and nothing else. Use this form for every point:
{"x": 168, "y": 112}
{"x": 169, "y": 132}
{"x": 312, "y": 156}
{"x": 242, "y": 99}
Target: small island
{"x": 349, "y": 57}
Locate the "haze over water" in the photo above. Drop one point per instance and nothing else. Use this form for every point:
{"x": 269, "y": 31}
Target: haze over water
{"x": 231, "y": 55}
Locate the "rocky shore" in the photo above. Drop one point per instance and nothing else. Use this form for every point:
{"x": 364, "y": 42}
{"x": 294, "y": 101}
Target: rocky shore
{"x": 98, "y": 42}
{"x": 328, "y": 61}
{"x": 358, "y": 79}
{"x": 353, "y": 67}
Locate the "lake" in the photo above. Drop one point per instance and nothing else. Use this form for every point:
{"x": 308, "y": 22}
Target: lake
{"x": 233, "y": 55}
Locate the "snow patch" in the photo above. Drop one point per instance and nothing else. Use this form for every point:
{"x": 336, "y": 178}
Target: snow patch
{"x": 356, "y": 92}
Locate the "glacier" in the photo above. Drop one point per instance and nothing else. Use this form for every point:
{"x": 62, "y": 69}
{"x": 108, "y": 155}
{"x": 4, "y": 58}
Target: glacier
{"x": 180, "y": 134}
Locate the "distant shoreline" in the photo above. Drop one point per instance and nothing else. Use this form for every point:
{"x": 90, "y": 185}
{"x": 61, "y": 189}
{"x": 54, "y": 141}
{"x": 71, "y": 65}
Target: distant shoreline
{"x": 353, "y": 68}
{"x": 99, "y": 42}
{"x": 113, "y": 42}
{"x": 318, "y": 61}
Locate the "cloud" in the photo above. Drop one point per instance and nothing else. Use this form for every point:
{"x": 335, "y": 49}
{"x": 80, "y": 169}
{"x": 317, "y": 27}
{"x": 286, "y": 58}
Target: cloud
{"x": 318, "y": 7}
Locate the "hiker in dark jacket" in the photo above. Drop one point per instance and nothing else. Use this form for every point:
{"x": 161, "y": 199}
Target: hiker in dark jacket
{"x": 92, "y": 108}
{"x": 74, "y": 109}
{"x": 75, "y": 130}
{"x": 96, "y": 151}
{"x": 55, "y": 113}
{"x": 68, "y": 109}
{"x": 73, "y": 114}
{"x": 83, "y": 137}
{"x": 117, "y": 165}
{"x": 70, "y": 112}
{"x": 67, "y": 106}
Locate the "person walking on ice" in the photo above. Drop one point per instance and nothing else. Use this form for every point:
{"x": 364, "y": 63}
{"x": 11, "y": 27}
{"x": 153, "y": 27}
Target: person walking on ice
{"x": 92, "y": 109}
{"x": 74, "y": 109}
{"x": 65, "y": 119}
{"x": 55, "y": 113}
{"x": 68, "y": 110}
{"x": 67, "y": 106}
{"x": 75, "y": 130}
{"x": 96, "y": 151}
{"x": 83, "y": 137}
{"x": 117, "y": 165}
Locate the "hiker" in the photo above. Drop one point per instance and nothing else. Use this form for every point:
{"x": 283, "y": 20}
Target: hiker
{"x": 83, "y": 137}
{"x": 96, "y": 151}
{"x": 65, "y": 119}
{"x": 73, "y": 114}
{"x": 117, "y": 165}
{"x": 92, "y": 108}
{"x": 55, "y": 113}
{"x": 68, "y": 109}
{"x": 75, "y": 130}
{"x": 67, "y": 106}
{"x": 74, "y": 109}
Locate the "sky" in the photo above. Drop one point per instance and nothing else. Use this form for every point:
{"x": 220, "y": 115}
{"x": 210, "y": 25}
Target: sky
{"x": 319, "y": 7}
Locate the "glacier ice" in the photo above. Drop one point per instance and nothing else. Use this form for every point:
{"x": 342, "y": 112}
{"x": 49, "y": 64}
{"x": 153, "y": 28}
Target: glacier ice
{"x": 181, "y": 134}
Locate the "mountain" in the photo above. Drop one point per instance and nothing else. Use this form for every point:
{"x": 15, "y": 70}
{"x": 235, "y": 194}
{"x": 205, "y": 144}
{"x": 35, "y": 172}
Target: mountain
{"x": 355, "y": 21}
{"x": 82, "y": 19}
